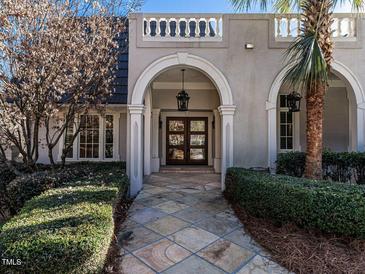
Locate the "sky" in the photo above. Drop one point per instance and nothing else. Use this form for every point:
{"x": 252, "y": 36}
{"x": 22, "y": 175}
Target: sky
{"x": 199, "y": 6}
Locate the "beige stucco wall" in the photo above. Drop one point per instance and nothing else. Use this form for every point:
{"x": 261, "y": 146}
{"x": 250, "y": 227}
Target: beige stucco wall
{"x": 336, "y": 133}
{"x": 250, "y": 73}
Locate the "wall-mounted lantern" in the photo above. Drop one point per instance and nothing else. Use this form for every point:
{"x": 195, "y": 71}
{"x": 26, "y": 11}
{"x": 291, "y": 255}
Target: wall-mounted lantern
{"x": 183, "y": 97}
{"x": 293, "y": 101}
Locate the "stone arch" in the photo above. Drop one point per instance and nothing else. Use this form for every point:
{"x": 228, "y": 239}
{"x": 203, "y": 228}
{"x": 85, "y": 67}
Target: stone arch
{"x": 271, "y": 107}
{"x": 199, "y": 63}
{"x": 136, "y": 108}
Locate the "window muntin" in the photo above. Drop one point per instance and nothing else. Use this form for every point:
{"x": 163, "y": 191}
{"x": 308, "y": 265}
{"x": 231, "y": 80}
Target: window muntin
{"x": 286, "y": 123}
{"x": 109, "y": 140}
{"x": 89, "y": 137}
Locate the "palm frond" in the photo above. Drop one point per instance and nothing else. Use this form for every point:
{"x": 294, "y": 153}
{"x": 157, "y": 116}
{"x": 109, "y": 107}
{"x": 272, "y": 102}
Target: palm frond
{"x": 281, "y": 6}
{"x": 246, "y": 5}
{"x": 357, "y": 5}
{"x": 285, "y": 6}
{"x": 305, "y": 62}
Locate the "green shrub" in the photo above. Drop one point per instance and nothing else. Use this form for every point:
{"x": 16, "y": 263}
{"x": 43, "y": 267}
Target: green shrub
{"x": 337, "y": 166}
{"x": 291, "y": 163}
{"x": 329, "y": 207}
{"x": 16, "y": 192}
{"x": 66, "y": 229}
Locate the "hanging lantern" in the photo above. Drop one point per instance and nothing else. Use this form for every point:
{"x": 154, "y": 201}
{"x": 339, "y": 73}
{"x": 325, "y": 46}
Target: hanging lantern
{"x": 183, "y": 97}
{"x": 293, "y": 101}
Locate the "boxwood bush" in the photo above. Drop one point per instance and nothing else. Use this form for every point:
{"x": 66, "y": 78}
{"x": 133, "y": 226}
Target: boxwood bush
{"x": 66, "y": 229}
{"x": 330, "y": 207}
{"x": 15, "y": 191}
{"x": 337, "y": 166}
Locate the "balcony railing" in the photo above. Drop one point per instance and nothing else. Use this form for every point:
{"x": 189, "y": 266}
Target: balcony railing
{"x": 287, "y": 27}
{"x": 183, "y": 28}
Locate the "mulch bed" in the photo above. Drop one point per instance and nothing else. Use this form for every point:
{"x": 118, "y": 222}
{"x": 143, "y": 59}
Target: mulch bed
{"x": 114, "y": 256}
{"x": 303, "y": 251}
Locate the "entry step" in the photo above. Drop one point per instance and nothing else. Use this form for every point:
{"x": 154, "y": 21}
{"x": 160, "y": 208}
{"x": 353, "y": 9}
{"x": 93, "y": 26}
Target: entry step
{"x": 186, "y": 169}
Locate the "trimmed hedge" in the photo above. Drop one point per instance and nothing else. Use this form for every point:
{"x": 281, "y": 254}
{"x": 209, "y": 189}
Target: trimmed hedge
{"x": 16, "y": 191}
{"x": 337, "y": 166}
{"x": 333, "y": 208}
{"x": 67, "y": 229}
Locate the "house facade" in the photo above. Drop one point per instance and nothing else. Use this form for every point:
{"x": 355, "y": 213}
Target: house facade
{"x": 231, "y": 66}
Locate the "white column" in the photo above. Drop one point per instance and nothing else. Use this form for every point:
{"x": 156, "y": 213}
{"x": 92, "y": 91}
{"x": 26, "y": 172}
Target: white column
{"x": 147, "y": 134}
{"x": 272, "y": 136}
{"x": 116, "y": 134}
{"x": 135, "y": 166}
{"x": 227, "y": 112}
{"x": 361, "y": 127}
{"x": 217, "y": 141}
{"x": 155, "y": 162}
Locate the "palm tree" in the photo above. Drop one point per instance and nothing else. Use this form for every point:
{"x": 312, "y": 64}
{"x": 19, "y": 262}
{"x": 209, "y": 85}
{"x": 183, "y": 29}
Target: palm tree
{"x": 308, "y": 60}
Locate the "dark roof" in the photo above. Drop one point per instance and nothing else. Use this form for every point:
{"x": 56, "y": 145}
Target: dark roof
{"x": 120, "y": 87}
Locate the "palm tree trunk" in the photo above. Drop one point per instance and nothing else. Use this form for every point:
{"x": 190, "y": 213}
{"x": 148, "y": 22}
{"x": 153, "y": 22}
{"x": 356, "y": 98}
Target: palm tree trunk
{"x": 317, "y": 16}
{"x": 315, "y": 111}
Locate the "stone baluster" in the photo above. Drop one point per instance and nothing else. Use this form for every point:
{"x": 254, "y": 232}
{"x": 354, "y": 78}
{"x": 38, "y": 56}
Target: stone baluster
{"x": 339, "y": 27}
{"x": 278, "y": 27}
{"x": 187, "y": 29}
{"x": 158, "y": 27}
{"x": 288, "y": 25}
{"x": 178, "y": 20}
{"x": 352, "y": 27}
{"x": 148, "y": 27}
{"x": 168, "y": 28}
{"x": 207, "y": 27}
{"x": 197, "y": 27}
{"x": 217, "y": 27}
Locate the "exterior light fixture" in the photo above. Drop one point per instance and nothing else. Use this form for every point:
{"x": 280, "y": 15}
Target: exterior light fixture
{"x": 293, "y": 101}
{"x": 249, "y": 46}
{"x": 183, "y": 97}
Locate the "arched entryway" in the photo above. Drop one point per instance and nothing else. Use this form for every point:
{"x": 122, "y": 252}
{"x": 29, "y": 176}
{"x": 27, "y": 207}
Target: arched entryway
{"x": 351, "y": 98}
{"x": 139, "y": 153}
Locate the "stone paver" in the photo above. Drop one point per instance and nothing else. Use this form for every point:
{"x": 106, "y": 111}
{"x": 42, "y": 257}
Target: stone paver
{"x": 194, "y": 265}
{"x": 226, "y": 255}
{"x": 139, "y": 237}
{"x": 261, "y": 265}
{"x": 167, "y": 225}
{"x": 193, "y": 238}
{"x": 162, "y": 255}
{"x": 171, "y": 206}
{"x": 217, "y": 225}
{"x": 131, "y": 265}
{"x": 180, "y": 223}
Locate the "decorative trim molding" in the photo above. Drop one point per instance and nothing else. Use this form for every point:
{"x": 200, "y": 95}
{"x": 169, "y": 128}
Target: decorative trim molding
{"x": 188, "y": 86}
{"x": 227, "y": 109}
{"x": 271, "y": 107}
{"x": 189, "y": 60}
{"x": 136, "y": 109}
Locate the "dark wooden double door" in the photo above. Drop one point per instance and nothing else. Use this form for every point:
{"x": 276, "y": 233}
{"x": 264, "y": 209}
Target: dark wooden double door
{"x": 187, "y": 141}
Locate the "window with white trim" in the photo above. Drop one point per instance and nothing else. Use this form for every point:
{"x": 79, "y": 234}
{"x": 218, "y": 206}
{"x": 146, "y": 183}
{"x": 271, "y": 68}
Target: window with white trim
{"x": 108, "y": 137}
{"x": 89, "y": 137}
{"x": 286, "y": 124}
{"x": 68, "y": 139}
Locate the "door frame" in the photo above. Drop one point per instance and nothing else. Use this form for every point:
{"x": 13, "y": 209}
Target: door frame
{"x": 187, "y": 137}
{"x": 198, "y": 113}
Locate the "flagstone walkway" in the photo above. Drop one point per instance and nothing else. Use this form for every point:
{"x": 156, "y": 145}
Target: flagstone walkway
{"x": 180, "y": 223}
